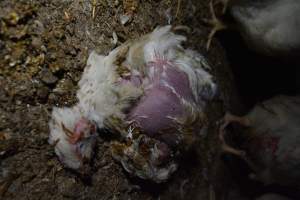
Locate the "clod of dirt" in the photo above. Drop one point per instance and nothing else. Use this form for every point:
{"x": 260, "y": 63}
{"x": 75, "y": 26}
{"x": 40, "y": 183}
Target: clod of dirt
{"x": 47, "y": 77}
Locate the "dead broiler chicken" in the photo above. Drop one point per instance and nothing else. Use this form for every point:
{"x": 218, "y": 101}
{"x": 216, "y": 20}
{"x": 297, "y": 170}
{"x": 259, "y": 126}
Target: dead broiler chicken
{"x": 151, "y": 91}
{"x": 273, "y": 140}
{"x": 269, "y": 27}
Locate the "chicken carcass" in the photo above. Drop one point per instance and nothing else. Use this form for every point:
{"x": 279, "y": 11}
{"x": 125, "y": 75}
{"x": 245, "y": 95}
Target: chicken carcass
{"x": 153, "y": 93}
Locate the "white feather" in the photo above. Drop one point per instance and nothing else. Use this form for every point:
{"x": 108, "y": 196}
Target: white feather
{"x": 65, "y": 151}
{"x": 96, "y": 94}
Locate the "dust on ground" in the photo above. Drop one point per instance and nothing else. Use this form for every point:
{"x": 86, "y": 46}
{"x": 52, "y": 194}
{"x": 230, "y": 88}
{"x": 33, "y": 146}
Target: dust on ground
{"x": 44, "y": 45}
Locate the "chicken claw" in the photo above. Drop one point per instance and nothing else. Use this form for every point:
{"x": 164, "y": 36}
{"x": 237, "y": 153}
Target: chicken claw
{"x": 228, "y": 149}
{"x": 216, "y": 24}
{"x": 229, "y": 118}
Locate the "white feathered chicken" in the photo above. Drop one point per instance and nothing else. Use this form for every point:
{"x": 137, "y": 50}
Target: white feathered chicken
{"x": 151, "y": 91}
{"x": 273, "y": 140}
{"x": 269, "y": 27}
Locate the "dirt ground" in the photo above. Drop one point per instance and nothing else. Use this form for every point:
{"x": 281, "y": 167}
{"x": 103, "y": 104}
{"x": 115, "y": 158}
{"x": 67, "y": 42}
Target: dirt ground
{"x": 44, "y": 45}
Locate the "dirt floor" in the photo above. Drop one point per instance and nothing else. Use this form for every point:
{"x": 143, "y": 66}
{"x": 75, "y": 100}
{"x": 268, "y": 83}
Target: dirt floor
{"x": 44, "y": 45}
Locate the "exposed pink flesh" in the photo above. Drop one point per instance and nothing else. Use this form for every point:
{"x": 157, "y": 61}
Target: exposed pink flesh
{"x": 162, "y": 99}
{"x": 173, "y": 77}
{"x": 74, "y": 138}
{"x": 153, "y": 110}
{"x": 133, "y": 79}
{"x": 83, "y": 128}
{"x": 164, "y": 152}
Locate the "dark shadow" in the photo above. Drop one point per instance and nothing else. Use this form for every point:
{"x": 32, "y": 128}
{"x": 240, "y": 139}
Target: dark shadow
{"x": 258, "y": 77}
{"x": 154, "y": 189}
{"x": 239, "y": 173}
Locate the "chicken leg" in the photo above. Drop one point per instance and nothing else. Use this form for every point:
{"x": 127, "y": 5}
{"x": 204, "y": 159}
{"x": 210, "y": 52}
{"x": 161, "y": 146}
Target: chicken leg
{"x": 216, "y": 24}
{"x": 228, "y": 119}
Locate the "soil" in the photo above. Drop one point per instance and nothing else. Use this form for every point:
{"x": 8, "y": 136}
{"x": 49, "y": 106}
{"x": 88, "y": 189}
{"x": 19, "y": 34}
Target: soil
{"x": 44, "y": 45}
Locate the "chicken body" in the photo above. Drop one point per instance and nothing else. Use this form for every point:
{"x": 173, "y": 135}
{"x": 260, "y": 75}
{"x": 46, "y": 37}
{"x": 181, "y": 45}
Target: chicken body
{"x": 269, "y": 27}
{"x": 170, "y": 112}
{"x": 152, "y": 92}
{"x": 274, "y": 140}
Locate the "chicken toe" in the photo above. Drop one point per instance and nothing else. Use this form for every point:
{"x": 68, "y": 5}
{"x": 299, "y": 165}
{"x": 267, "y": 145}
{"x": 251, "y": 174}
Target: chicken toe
{"x": 215, "y": 23}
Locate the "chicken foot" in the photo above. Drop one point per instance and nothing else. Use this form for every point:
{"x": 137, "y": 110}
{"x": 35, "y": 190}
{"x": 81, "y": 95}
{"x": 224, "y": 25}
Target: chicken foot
{"x": 215, "y": 23}
{"x": 228, "y": 119}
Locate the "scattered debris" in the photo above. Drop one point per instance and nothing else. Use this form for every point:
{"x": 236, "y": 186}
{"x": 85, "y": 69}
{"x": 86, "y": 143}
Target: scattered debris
{"x": 115, "y": 38}
{"x": 124, "y": 19}
{"x": 4, "y": 136}
{"x": 94, "y": 3}
{"x": 67, "y": 16}
{"x": 47, "y": 76}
